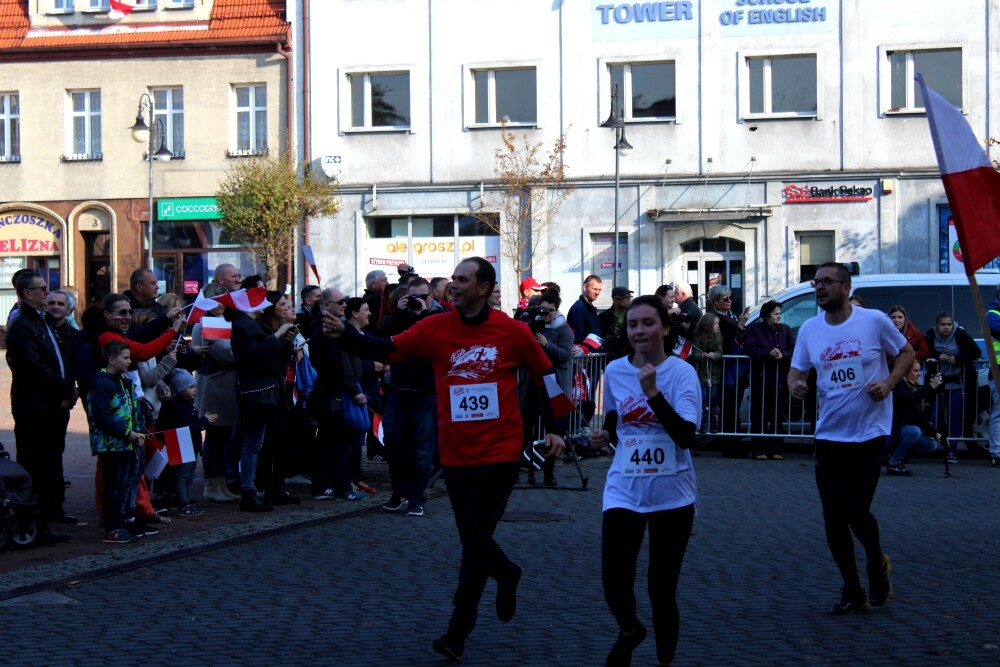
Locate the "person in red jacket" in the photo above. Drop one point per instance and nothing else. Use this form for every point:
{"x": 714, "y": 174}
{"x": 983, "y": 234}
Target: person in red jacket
{"x": 914, "y": 336}
{"x": 118, "y": 320}
{"x": 476, "y": 352}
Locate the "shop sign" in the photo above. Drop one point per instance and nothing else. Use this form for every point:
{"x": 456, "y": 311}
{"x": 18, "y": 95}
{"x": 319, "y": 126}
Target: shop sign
{"x": 24, "y": 233}
{"x": 811, "y": 194}
{"x": 193, "y": 208}
{"x": 431, "y": 256}
{"x": 769, "y": 17}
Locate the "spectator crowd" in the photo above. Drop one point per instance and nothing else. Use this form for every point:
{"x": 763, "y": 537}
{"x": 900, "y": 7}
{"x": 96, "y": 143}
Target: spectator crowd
{"x": 273, "y": 402}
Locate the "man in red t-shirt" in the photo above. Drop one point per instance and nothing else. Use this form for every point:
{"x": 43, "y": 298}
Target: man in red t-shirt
{"x": 476, "y": 352}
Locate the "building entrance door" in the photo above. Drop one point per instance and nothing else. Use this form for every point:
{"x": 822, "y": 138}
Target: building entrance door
{"x": 710, "y": 261}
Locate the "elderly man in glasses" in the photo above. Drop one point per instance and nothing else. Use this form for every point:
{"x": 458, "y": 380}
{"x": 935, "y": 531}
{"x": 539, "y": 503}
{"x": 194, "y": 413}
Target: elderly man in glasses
{"x": 847, "y": 347}
{"x": 41, "y": 396}
{"x": 735, "y": 371}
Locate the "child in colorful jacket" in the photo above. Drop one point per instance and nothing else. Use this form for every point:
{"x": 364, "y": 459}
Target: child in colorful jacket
{"x": 113, "y": 417}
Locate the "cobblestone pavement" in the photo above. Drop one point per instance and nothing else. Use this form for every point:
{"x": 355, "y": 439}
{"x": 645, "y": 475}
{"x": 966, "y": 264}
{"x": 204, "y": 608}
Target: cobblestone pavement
{"x": 368, "y": 588}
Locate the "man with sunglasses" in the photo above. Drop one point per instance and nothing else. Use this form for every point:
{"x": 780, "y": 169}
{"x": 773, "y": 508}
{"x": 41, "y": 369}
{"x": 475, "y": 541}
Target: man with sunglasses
{"x": 41, "y": 396}
{"x": 847, "y": 347}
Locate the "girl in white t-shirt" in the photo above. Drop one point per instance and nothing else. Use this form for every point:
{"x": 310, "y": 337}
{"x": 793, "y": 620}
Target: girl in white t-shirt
{"x": 654, "y": 409}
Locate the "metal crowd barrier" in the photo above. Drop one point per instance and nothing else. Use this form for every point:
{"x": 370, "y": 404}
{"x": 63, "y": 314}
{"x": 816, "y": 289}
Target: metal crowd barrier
{"x": 753, "y": 401}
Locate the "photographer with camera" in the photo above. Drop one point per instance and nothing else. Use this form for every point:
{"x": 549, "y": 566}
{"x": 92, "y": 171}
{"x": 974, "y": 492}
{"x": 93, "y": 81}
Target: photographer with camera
{"x": 911, "y": 432}
{"x": 410, "y": 418}
{"x": 955, "y": 350}
{"x": 550, "y": 330}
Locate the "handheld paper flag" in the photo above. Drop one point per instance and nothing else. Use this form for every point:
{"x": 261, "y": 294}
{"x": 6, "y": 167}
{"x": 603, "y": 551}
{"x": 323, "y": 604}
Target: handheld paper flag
{"x": 561, "y": 403}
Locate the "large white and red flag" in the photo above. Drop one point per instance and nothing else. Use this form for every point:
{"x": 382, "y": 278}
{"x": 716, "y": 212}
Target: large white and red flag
{"x": 970, "y": 180}
{"x": 202, "y": 304}
{"x": 245, "y": 300}
{"x": 120, "y": 8}
{"x": 561, "y": 403}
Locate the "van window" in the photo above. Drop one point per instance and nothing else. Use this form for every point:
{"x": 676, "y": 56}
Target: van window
{"x": 798, "y": 309}
{"x": 965, "y": 307}
{"x": 922, "y": 303}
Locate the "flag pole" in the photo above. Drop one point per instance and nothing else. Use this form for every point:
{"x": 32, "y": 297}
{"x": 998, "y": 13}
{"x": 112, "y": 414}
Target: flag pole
{"x": 985, "y": 326}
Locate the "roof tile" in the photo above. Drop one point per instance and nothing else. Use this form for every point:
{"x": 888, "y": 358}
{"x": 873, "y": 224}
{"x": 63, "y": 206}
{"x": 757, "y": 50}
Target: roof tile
{"x": 231, "y": 20}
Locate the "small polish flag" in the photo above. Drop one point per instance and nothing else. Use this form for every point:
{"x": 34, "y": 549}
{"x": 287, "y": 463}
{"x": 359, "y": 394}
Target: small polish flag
{"x": 120, "y": 9}
{"x": 179, "y": 446}
{"x": 156, "y": 457}
{"x": 377, "y": 429}
{"x": 683, "y": 347}
{"x": 592, "y": 343}
{"x": 307, "y": 254}
{"x": 560, "y": 402}
{"x": 245, "y": 300}
{"x": 202, "y": 304}
{"x": 216, "y": 328}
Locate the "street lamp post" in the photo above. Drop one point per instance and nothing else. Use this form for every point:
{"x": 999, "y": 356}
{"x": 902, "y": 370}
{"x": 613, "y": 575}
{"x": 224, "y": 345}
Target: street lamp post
{"x": 146, "y": 133}
{"x": 617, "y": 121}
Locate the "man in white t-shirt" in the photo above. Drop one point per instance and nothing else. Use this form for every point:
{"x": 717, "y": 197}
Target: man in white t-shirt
{"x": 847, "y": 347}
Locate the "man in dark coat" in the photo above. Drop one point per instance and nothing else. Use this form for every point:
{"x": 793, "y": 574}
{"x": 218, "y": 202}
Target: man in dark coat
{"x": 41, "y": 396}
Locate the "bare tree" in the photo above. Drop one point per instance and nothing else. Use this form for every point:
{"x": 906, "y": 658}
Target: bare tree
{"x": 532, "y": 187}
{"x": 263, "y": 200}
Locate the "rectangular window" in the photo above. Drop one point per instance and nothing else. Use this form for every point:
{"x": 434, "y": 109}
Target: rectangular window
{"x": 85, "y": 125}
{"x": 250, "y": 120}
{"x": 814, "y": 251}
{"x": 179, "y": 4}
{"x": 506, "y": 94}
{"x": 647, "y": 90}
{"x": 62, "y": 5}
{"x": 98, "y": 5}
{"x": 782, "y": 86}
{"x": 941, "y": 69}
{"x": 168, "y": 111}
{"x": 10, "y": 128}
{"x": 380, "y": 100}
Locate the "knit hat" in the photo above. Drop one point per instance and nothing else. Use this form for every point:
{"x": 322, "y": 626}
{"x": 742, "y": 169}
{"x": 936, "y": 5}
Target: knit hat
{"x": 180, "y": 380}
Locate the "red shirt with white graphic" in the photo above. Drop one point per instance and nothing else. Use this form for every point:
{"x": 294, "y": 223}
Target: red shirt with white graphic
{"x": 476, "y": 366}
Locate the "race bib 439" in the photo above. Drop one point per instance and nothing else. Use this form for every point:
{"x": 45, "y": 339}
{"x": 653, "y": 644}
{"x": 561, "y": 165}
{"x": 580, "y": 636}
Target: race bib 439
{"x": 474, "y": 402}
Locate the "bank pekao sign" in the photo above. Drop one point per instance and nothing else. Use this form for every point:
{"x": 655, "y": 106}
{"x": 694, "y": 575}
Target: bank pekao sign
{"x": 27, "y": 233}
{"x": 834, "y": 194}
{"x": 193, "y": 208}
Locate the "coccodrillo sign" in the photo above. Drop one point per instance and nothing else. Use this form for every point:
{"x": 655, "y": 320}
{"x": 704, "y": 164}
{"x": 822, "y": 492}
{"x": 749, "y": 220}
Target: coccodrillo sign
{"x": 194, "y": 208}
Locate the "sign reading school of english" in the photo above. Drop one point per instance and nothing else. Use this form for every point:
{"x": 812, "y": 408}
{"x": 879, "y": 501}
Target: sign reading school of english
{"x": 24, "y": 233}
{"x": 670, "y": 20}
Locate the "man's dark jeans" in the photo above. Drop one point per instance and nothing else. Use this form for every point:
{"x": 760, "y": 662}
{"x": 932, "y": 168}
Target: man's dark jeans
{"x": 410, "y": 440}
{"x": 478, "y": 497}
{"x": 40, "y": 440}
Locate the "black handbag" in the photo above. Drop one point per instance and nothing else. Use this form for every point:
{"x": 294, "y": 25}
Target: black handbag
{"x": 259, "y": 394}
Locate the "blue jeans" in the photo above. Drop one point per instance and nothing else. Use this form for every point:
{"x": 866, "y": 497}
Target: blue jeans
{"x": 120, "y": 475}
{"x": 949, "y": 415}
{"x": 410, "y": 440}
{"x": 910, "y": 439}
{"x": 253, "y": 441}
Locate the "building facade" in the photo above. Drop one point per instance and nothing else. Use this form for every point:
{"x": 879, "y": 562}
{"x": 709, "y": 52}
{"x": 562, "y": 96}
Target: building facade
{"x": 767, "y": 136}
{"x": 212, "y": 80}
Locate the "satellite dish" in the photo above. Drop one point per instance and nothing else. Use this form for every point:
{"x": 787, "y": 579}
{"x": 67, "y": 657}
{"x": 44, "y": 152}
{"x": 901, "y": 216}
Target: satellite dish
{"x": 331, "y": 166}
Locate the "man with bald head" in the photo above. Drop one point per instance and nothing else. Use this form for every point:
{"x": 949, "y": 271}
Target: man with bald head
{"x": 228, "y": 276}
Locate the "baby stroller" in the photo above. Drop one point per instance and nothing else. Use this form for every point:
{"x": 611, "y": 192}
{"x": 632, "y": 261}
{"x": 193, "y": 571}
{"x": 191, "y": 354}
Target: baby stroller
{"x": 18, "y": 507}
